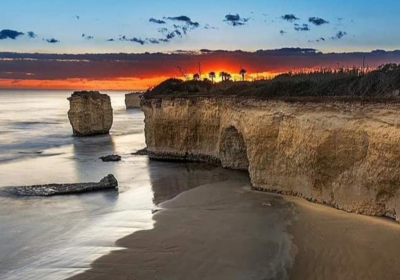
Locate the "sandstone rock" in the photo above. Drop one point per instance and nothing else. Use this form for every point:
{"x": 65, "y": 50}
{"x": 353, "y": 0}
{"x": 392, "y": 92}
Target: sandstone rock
{"x": 90, "y": 113}
{"x": 132, "y": 100}
{"x": 111, "y": 158}
{"x": 343, "y": 154}
{"x": 108, "y": 182}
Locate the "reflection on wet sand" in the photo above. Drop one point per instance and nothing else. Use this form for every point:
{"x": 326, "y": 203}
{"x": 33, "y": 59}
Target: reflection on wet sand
{"x": 175, "y": 178}
{"x": 87, "y": 151}
{"x": 216, "y": 231}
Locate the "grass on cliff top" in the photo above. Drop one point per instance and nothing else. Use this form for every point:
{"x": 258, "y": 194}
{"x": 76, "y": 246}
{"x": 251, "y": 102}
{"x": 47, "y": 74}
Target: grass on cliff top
{"x": 383, "y": 83}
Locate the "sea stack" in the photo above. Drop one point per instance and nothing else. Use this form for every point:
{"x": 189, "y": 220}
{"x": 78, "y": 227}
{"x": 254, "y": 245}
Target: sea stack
{"x": 90, "y": 113}
{"x": 132, "y": 100}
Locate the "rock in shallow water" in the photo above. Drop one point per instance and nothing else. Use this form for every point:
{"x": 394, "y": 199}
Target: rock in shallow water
{"x": 111, "y": 158}
{"x": 90, "y": 113}
{"x": 142, "y": 152}
{"x": 108, "y": 182}
{"x": 132, "y": 100}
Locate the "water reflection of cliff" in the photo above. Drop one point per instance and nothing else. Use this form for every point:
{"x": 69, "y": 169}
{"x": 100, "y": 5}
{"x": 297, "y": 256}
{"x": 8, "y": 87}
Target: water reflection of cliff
{"x": 87, "y": 151}
{"x": 170, "y": 179}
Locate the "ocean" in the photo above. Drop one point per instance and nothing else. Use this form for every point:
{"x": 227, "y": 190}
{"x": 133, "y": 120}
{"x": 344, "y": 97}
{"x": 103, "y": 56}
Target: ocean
{"x": 58, "y": 237}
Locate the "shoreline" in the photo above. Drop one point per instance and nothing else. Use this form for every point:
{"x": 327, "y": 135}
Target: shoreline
{"x": 215, "y": 231}
{"x": 204, "y": 233}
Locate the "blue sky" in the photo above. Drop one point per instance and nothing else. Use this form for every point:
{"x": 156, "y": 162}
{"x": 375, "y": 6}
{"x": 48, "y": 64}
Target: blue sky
{"x": 365, "y": 25}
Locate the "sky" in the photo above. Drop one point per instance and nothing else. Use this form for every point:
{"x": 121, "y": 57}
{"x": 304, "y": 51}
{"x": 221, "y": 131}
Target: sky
{"x": 309, "y": 30}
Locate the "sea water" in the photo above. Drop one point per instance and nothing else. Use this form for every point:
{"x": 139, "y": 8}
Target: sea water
{"x": 57, "y": 237}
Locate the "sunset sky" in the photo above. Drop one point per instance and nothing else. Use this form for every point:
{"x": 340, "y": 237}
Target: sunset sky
{"x": 133, "y": 44}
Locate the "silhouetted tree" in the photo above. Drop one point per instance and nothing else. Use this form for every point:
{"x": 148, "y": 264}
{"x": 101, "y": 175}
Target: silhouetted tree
{"x": 212, "y": 76}
{"x": 242, "y": 72}
{"x": 196, "y": 77}
{"x": 222, "y": 75}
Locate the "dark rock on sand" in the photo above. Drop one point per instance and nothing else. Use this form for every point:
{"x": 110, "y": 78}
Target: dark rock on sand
{"x": 90, "y": 113}
{"x": 108, "y": 182}
{"x": 111, "y": 158}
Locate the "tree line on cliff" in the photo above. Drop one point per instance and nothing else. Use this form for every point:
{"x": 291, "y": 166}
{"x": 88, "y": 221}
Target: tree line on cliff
{"x": 355, "y": 83}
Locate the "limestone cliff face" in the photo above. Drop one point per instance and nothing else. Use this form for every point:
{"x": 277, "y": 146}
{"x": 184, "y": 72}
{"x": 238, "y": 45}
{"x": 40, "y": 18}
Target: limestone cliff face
{"x": 132, "y": 100}
{"x": 346, "y": 155}
{"x": 90, "y": 113}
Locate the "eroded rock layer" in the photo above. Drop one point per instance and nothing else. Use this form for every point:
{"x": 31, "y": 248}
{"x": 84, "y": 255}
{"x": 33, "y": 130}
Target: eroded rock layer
{"x": 132, "y": 100}
{"x": 90, "y": 113}
{"x": 346, "y": 155}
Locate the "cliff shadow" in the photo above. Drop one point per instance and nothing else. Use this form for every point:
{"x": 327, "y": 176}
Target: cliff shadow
{"x": 169, "y": 179}
{"x": 233, "y": 149}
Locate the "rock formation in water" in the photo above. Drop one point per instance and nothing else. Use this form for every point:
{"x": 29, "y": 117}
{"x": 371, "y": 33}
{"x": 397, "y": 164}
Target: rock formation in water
{"x": 343, "y": 154}
{"x": 132, "y": 100}
{"x": 90, "y": 113}
{"x": 108, "y": 182}
{"x": 111, "y": 158}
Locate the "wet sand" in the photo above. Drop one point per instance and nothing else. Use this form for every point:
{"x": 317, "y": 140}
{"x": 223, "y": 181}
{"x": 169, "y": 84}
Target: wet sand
{"x": 216, "y": 231}
{"x": 226, "y": 231}
{"x": 333, "y": 244}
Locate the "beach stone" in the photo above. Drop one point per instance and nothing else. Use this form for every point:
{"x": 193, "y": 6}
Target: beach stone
{"x": 132, "y": 100}
{"x": 111, "y": 158}
{"x": 108, "y": 182}
{"x": 90, "y": 113}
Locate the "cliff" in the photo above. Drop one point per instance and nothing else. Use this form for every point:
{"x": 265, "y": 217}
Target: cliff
{"x": 90, "y": 113}
{"x": 343, "y": 154}
{"x": 132, "y": 100}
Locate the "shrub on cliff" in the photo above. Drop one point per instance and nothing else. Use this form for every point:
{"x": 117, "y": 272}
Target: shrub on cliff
{"x": 350, "y": 83}
{"x": 177, "y": 86}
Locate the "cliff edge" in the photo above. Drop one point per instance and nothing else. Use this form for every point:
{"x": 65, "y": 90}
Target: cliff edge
{"x": 345, "y": 154}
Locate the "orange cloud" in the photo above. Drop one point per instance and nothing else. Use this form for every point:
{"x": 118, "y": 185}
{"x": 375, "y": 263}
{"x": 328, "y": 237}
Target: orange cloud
{"x": 141, "y": 71}
{"x": 129, "y": 84}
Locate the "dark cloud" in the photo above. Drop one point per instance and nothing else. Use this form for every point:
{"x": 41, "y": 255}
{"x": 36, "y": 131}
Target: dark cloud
{"x": 303, "y": 27}
{"x": 9, "y": 34}
{"x": 207, "y": 26}
{"x": 173, "y": 34}
{"x": 290, "y": 17}
{"x": 339, "y": 35}
{"x": 137, "y": 40}
{"x": 51, "y": 41}
{"x": 149, "y": 65}
{"x": 162, "y": 30}
{"x": 184, "y": 19}
{"x": 321, "y": 39}
{"x": 153, "y": 41}
{"x": 31, "y": 34}
{"x": 88, "y": 37}
{"x": 134, "y": 40}
{"x": 317, "y": 21}
{"x": 110, "y": 40}
{"x": 157, "y": 21}
{"x": 235, "y": 20}
{"x": 182, "y": 28}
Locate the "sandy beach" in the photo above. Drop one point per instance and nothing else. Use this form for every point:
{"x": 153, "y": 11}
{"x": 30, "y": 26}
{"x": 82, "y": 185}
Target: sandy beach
{"x": 226, "y": 231}
{"x": 332, "y": 244}
{"x": 216, "y": 231}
